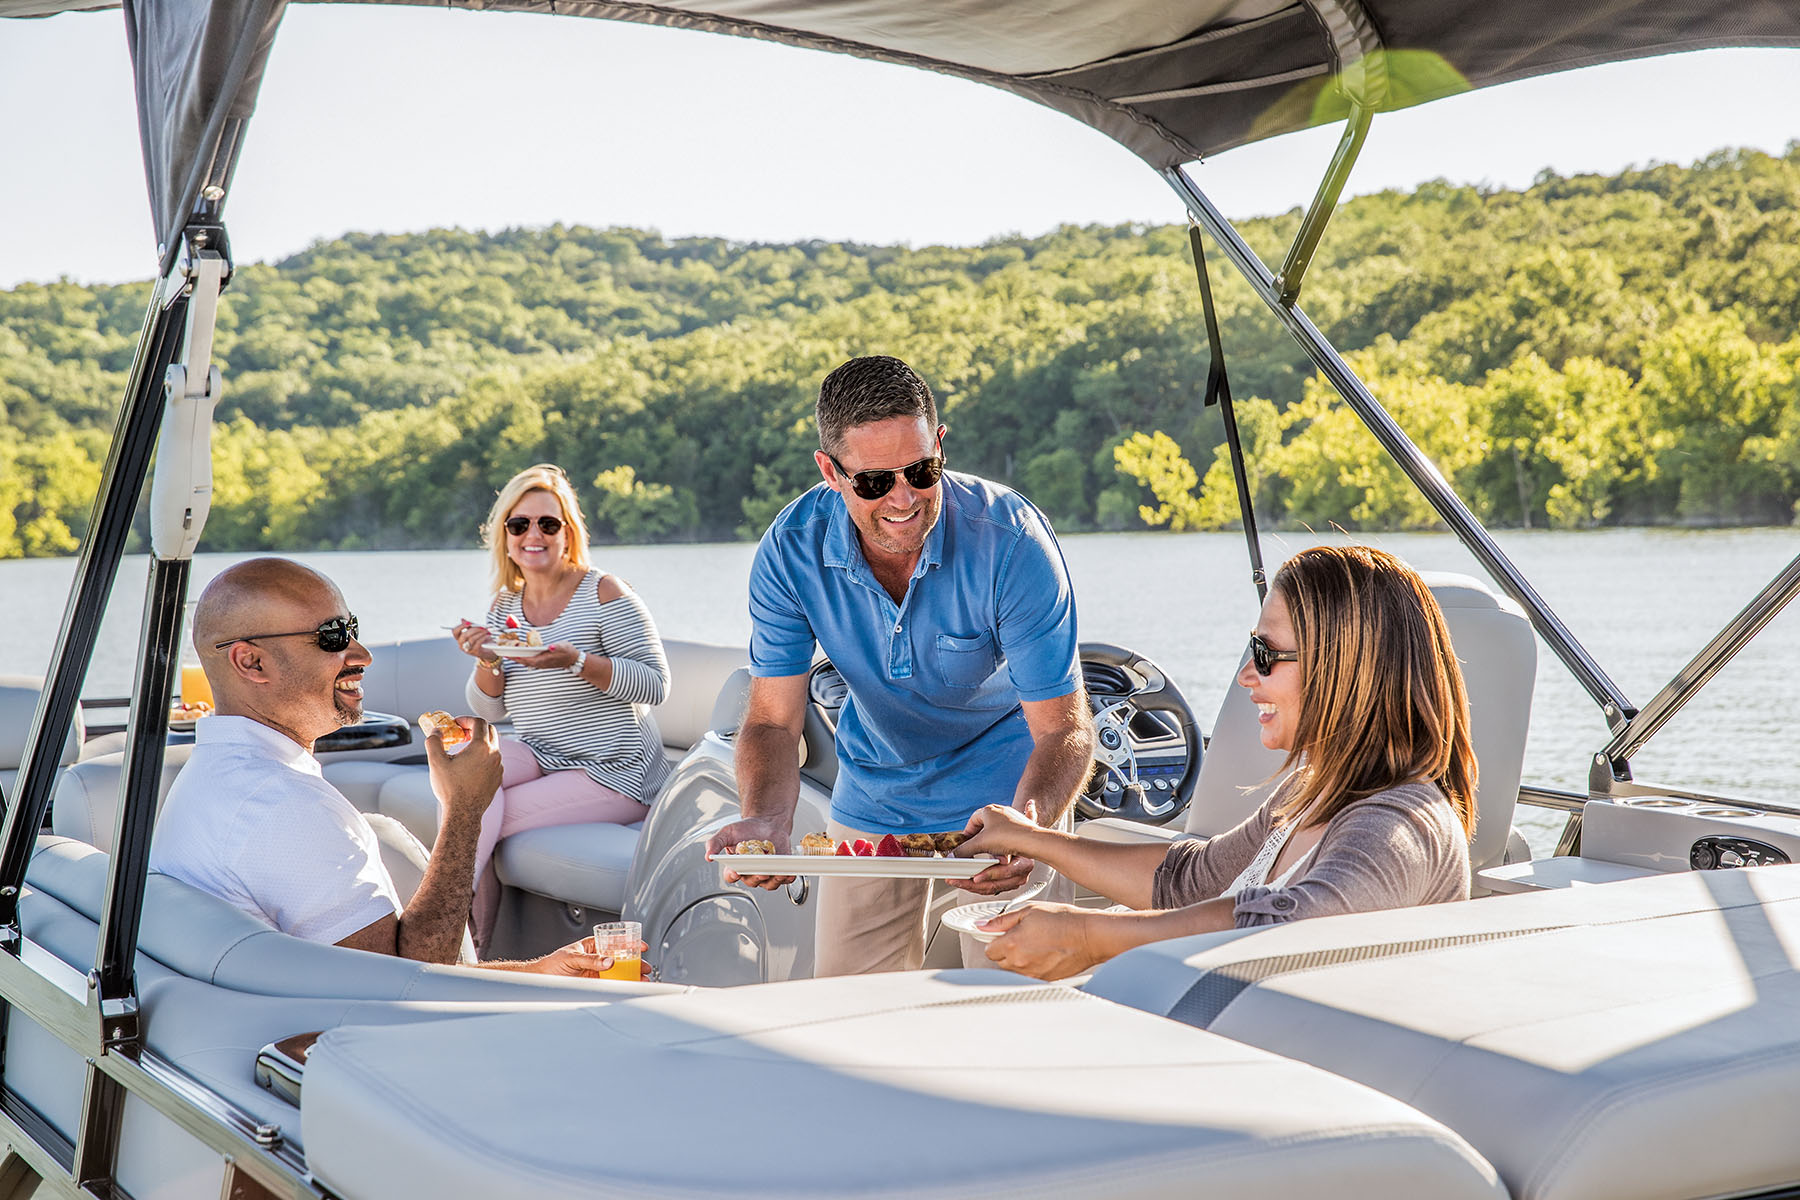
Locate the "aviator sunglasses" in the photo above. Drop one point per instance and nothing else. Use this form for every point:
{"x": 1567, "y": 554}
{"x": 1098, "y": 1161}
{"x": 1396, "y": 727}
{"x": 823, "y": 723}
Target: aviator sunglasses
{"x": 548, "y": 526}
{"x": 873, "y": 485}
{"x": 333, "y": 637}
{"x": 1266, "y": 656}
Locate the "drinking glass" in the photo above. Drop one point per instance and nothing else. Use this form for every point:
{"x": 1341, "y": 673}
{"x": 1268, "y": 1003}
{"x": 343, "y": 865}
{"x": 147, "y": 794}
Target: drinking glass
{"x": 194, "y": 688}
{"x": 622, "y": 941}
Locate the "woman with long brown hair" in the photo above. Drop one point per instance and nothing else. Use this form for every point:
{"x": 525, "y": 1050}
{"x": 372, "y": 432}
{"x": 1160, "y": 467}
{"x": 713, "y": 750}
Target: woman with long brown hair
{"x": 1353, "y": 675}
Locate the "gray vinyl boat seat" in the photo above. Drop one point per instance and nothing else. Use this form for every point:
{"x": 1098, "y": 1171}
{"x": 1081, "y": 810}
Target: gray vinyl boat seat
{"x": 204, "y": 938}
{"x": 216, "y": 985}
{"x": 585, "y": 864}
{"x": 1637, "y": 1040}
{"x": 18, "y": 705}
{"x": 948, "y": 1084}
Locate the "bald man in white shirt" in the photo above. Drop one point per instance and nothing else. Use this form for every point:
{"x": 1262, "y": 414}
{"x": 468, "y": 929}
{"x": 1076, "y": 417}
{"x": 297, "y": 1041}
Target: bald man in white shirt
{"x": 251, "y": 818}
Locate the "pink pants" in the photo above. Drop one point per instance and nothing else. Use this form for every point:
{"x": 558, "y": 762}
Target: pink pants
{"x": 529, "y": 798}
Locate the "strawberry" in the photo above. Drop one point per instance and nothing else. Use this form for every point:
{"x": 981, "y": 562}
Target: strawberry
{"x": 512, "y": 622}
{"x": 844, "y": 849}
{"x": 863, "y": 848}
{"x": 889, "y": 847}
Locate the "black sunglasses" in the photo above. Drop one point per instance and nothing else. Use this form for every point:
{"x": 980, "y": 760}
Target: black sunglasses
{"x": 333, "y": 637}
{"x": 1266, "y": 656}
{"x": 549, "y": 526}
{"x": 873, "y": 485}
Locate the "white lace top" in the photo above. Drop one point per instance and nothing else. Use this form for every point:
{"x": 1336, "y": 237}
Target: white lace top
{"x": 1257, "y": 873}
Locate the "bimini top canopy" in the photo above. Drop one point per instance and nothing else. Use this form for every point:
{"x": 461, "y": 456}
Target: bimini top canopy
{"x": 1173, "y": 80}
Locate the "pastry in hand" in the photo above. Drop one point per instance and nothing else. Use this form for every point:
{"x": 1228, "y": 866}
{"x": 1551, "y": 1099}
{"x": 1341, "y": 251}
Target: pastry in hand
{"x": 445, "y": 726}
{"x": 817, "y": 843}
{"x": 946, "y": 842}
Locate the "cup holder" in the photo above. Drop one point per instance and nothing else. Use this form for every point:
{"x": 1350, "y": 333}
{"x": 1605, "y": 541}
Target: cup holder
{"x": 1653, "y": 801}
{"x": 1721, "y": 811}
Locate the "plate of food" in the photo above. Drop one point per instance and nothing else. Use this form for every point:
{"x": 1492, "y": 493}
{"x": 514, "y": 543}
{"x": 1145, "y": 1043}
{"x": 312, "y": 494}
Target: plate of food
{"x": 895, "y": 856}
{"x": 183, "y": 717}
{"x": 963, "y": 919}
{"x": 511, "y": 649}
{"x": 514, "y": 641}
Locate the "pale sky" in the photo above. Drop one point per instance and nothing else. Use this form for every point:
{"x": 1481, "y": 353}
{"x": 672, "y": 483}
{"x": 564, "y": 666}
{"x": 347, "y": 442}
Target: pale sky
{"x": 397, "y": 119}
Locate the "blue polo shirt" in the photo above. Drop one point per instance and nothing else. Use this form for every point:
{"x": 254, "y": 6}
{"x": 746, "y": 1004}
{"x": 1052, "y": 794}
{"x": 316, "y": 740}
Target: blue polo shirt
{"x": 932, "y": 728}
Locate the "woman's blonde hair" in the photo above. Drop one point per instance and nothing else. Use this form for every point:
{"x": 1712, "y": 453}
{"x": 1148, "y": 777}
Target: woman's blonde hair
{"x": 544, "y": 477}
{"x": 1382, "y": 700}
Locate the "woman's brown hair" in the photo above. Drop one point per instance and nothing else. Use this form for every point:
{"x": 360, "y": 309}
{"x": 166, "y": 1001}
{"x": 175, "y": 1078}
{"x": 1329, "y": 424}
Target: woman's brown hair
{"x": 1382, "y": 700}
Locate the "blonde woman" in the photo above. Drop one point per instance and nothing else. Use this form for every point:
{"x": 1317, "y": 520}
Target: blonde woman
{"x": 1353, "y": 675}
{"x": 587, "y": 747}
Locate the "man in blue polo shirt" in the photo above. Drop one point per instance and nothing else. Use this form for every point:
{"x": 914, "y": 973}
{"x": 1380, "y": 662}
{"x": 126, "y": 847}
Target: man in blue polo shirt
{"x": 944, "y": 602}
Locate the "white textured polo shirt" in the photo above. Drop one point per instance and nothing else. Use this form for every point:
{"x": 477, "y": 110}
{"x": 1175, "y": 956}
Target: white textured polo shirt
{"x": 251, "y": 820}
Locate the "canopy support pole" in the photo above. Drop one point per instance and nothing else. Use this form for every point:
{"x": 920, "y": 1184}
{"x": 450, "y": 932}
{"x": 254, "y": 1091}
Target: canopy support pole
{"x": 1411, "y": 460}
{"x": 1218, "y": 391}
{"x": 180, "y": 427}
{"x": 109, "y": 528}
{"x": 1613, "y": 763}
{"x": 1324, "y": 204}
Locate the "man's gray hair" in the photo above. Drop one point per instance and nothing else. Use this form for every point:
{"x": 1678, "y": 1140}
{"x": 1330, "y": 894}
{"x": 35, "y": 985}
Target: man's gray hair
{"x": 866, "y": 390}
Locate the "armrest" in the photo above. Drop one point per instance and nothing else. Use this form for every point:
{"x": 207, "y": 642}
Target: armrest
{"x": 1119, "y": 830}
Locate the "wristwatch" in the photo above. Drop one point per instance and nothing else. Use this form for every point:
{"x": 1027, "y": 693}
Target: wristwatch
{"x": 580, "y": 662}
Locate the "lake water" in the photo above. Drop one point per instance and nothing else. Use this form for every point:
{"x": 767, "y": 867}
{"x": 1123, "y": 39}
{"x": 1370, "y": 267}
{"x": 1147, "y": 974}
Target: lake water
{"x": 1642, "y": 601}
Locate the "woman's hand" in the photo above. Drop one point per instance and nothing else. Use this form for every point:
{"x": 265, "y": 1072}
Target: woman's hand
{"x": 470, "y": 638}
{"x": 1002, "y": 832}
{"x": 558, "y": 656}
{"x": 1046, "y": 941}
{"x": 1000, "y": 829}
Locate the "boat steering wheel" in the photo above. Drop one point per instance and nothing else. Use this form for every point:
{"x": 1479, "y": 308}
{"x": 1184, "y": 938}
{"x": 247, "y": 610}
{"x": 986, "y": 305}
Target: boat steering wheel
{"x": 1147, "y": 745}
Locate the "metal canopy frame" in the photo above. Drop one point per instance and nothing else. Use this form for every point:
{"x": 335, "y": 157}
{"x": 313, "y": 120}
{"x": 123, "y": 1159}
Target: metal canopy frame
{"x": 97, "y": 1015}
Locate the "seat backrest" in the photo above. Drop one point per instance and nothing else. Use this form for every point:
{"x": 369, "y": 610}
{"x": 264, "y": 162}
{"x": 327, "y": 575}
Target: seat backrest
{"x": 204, "y": 938}
{"x": 1494, "y": 642}
{"x": 698, "y": 672}
{"x": 407, "y": 678}
{"x": 410, "y": 677}
{"x": 86, "y": 803}
{"x": 18, "y": 705}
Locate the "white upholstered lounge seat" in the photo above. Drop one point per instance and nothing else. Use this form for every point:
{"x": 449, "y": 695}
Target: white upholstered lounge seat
{"x": 918, "y": 1084}
{"x": 1637, "y": 1040}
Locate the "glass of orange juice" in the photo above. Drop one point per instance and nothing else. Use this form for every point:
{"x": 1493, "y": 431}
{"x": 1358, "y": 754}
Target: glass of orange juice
{"x": 623, "y": 942}
{"x": 194, "y": 688}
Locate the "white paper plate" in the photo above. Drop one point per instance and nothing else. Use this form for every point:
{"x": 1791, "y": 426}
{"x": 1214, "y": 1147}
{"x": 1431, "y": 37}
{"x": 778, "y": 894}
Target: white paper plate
{"x": 963, "y": 919}
{"x": 514, "y": 651}
{"x": 857, "y": 866}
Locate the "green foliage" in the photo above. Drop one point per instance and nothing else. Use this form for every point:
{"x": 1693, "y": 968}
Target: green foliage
{"x": 1155, "y": 461}
{"x": 1594, "y": 349}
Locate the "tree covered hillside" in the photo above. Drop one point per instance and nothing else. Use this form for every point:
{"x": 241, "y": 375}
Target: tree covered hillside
{"x": 1592, "y": 350}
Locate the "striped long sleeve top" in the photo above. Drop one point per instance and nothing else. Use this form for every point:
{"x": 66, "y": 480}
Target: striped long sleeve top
{"x": 567, "y": 722}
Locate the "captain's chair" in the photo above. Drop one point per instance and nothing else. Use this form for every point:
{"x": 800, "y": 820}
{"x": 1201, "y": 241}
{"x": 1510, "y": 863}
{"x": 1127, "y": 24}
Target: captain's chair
{"x": 1498, "y": 651}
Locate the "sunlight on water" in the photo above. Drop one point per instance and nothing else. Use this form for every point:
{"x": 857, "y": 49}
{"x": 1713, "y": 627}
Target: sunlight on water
{"x": 1642, "y": 601}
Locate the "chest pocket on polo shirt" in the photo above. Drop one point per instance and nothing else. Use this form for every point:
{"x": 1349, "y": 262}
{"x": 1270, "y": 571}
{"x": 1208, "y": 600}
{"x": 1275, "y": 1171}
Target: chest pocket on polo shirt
{"x": 966, "y": 662}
